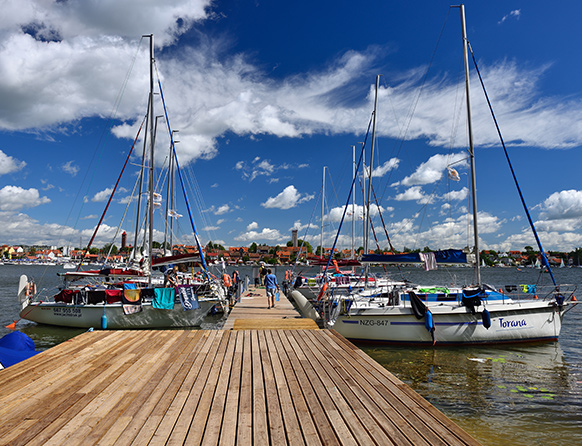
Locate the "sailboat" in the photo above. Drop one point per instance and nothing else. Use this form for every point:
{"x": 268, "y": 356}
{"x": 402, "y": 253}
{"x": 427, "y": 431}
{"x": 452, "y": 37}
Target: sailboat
{"x": 429, "y": 315}
{"x": 131, "y": 297}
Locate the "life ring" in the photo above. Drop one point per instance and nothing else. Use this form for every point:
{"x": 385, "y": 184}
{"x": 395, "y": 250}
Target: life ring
{"x": 337, "y": 270}
{"x": 227, "y": 281}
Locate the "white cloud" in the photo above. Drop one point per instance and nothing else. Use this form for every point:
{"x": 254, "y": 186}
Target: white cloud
{"x": 9, "y": 164}
{"x": 222, "y": 209}
{"x": 432, "y": 170}
{"x": 566, "y": 204}
{"x": 253, "y": 225}
{"x": 15, "y": 198}
{"x": 103, "y": 195}
{"x": 515, "y": 13}
{"x": 266, "y": 234}
{"x": 287, "y": 199}
{"x": 414, "y": 193}
{"x": 389, "y": 165}
{"x": 335, "y": 214}
{"x": 70, "y": 168}
{"x": 456, "y": 195}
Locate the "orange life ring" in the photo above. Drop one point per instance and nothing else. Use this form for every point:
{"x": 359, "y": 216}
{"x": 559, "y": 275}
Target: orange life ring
{"x": 227, "y": 281}
{"x": 337, "y": 270}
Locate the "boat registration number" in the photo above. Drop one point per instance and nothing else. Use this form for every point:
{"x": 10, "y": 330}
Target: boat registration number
{"x": 373, "y": 322}
{"x": 67, "y": 312}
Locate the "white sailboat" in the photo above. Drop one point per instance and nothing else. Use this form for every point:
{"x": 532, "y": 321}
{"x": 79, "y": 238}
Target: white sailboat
{"x": 122, "y": 298}
{"x": 431, "y": 314}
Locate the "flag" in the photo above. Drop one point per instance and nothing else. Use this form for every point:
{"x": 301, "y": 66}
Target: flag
{"x": 453, "y": 174}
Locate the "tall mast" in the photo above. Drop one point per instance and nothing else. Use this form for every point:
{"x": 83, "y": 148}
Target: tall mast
{"x": 322, "y": 251}
{"x": 151, "y": 182}
{"x": 471, "y": 148}
{"x": 353, "y": 199}
{"x": 370, "y": 167}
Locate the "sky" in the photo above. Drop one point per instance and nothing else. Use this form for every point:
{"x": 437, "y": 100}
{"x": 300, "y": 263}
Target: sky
{"x": 264, "y": 95}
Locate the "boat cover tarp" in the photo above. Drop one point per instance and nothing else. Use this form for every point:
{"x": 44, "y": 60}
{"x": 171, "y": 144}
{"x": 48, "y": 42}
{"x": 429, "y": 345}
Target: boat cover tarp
{"x": 15, "y": 347}
{"x": 444, "y": 256}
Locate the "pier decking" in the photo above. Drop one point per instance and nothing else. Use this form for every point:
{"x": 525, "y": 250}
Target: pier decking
{"x": 260, "y": 387}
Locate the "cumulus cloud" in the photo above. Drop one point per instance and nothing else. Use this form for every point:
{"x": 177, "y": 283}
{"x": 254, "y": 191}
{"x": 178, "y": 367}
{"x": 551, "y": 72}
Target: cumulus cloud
{"x": 266, "y": 234}
{"x": 252, "y": 226}
{"x": 456, "y": 195}
{"x": 103, "y": 195}
{"x": 287, "y": 199}
{"x": 566, "y": 204}
{"x": 382, "y": 170}
{"x": 15, "y": 198}
{"x": 432, "y": 170}
{"x": 414, "y": 193}
{"x": 9, "y": 164}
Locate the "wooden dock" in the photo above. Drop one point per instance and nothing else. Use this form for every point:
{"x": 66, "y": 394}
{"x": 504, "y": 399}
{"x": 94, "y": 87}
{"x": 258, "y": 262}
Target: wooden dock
{"x": 227, "y": 387}
{"x": 251, "y": 313}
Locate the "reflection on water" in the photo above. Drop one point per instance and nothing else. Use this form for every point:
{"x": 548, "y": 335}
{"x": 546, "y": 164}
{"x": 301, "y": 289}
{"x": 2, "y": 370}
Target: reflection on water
{"x": 518, "y": 395}
{"x": 511, "y": 395}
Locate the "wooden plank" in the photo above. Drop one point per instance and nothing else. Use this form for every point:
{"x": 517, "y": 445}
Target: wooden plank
{"x": 217, "y": 415}
{"x": 66, "y": 395}
{"x": 314, "y": 408}
{"x": 363, "y": 398}
{"x": 187, "y": 397}
{"x": 408, "y": 403}
{"x": 161, "y": 412}
{"x": 228, "y": 430}
{"x": 245, "y": 406}
{"x": 102, "y": 402}
{"x": 201, "y": 417}
{"x": 222, "y": 387}
{"x": 275, "y": 324}
{"x": 260, "y": 427}
{"x": 308, "y": 429}
{"x": 292, "y": 428}
{"x": 274, "y": 415}
{"x": 352, "y": 414}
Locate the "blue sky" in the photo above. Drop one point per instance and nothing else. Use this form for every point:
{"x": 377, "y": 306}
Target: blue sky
{"x": 265, "y": 94}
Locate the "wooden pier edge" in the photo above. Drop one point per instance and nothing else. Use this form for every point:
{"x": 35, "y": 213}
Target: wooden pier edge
{"x": 274, "y": 387}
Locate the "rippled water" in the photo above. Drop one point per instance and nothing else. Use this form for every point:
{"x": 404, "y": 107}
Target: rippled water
{"x": 519, "y": 395}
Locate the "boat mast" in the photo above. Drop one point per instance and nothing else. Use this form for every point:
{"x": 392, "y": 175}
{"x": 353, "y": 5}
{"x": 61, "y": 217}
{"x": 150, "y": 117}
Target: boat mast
{"x": 151, "y": 182}
{"x": 471, "y": 148}
{"x": 370, "y": 167}
{"x": 321, "y": 250}
{"x": 353, "y": 198}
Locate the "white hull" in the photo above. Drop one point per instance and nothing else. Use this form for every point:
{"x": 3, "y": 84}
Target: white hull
{"x": 87, "y": 316}
{"x": 516, "y": 322}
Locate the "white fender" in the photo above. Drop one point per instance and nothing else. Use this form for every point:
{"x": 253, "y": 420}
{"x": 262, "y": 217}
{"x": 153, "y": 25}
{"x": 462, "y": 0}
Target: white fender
{"x": 304, "y": 306}
{"x": 22, "y": 287}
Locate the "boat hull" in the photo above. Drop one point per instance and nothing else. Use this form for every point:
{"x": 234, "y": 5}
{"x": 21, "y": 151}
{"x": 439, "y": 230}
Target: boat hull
{"x": 516, "y": 322}
{"x": 87, "y": 316}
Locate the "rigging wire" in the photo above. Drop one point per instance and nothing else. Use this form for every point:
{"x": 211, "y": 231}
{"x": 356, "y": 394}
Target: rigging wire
{"x": 539, "y": 243}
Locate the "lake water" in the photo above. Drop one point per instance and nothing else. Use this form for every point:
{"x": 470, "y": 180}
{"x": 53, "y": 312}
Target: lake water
{"x": 518, "y": 395}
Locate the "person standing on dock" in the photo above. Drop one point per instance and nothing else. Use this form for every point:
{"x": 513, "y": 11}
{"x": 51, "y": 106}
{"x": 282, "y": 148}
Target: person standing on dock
{"x": 272, "y": 287}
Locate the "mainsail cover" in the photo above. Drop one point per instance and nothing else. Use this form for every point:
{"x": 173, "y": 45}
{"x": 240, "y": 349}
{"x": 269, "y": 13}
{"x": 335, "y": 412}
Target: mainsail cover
{"x": 444, "y": 256}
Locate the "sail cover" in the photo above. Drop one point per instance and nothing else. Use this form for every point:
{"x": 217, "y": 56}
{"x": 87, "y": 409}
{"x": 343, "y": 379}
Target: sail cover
{"x": 444, "y": 256}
